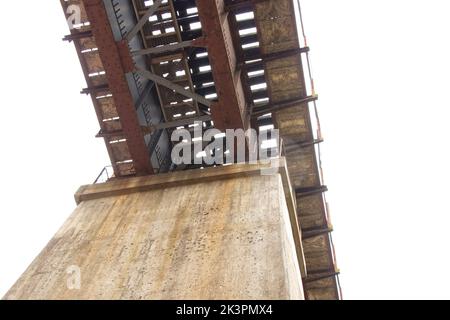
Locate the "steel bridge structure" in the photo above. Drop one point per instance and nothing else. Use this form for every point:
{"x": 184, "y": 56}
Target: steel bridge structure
{"x": 154, "y": 67}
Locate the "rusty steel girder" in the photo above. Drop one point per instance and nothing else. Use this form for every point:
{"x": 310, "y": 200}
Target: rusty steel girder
{"x": 230, "y": 112}
{"x": 112, "y": 55}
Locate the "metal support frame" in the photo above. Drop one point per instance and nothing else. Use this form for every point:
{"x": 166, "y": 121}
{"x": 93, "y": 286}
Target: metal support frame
{"x": 172, "y": 86}
{"x": 322, "y": 277}
{"x": 260, "y": 111}
{"x": 78, "y": 35}
{"x": 161, "y": 126}
{"x": 164, "y": 49}
{"x": 269, "y": 56}
{"x": 302, "y": 145}
{"x": 143, "y": 20}
{"x": 230, "y": 112}
{"x": 240, "y": 4}
{"x": 315, "y": 233}
{"x": 174, "y": 124}
{"x": 118, "y": 85}
{"x": 305, "y": 192}
{"x": 95, "y": 89}
{"x": 145, "y": 93}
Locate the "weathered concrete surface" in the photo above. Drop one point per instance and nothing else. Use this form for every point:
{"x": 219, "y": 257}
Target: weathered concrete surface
{"x": 229, "y": 238}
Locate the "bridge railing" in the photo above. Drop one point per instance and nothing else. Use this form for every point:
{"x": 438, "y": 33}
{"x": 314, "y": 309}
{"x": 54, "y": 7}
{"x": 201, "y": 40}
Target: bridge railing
{"x": 105, "y": 175}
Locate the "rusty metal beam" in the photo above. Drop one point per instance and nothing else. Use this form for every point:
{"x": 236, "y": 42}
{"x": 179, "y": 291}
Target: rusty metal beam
{"x": 118, "y": 85}
{"x": 302, "y": 145}
{"x": 78, "y": 35}
{"x": 260, "y": 111}
{"x": 235, "y": 36}
{"x": 315, "y": 233}
{"x": 306, "y": 192}
{"x": 230, "y": 110}
{"x": 110, "y": 134}
{"x": 322, "y": 277}
{"x": 270, "y": 56}
{"x": 241, "y": 4}
{"x": 164, "y": 49}
{"x": 318, "y": 272}
{"x": 153, "y": 128}
{"x": 94, "y": 89}
{"x": 175, "y": 124}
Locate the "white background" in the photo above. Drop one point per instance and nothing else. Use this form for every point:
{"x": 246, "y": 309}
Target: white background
{"x": 382, "y": 71}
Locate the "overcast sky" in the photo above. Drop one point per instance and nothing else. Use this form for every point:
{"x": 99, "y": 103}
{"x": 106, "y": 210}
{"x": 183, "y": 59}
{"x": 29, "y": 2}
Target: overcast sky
{"x": 382, "y": 71}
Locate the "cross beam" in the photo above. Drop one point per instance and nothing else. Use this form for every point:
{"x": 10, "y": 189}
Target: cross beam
{"x": 143, "y": 20}
{"x": 163, "y": 49}
{"x": 161, "y": 126}
{"x": 263, "y": 58}
{"x": 174, "y": 124}
{"x": 172, "y": 86}
{"x": 306, "y": 192}
{"x": 260, "y": 111}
